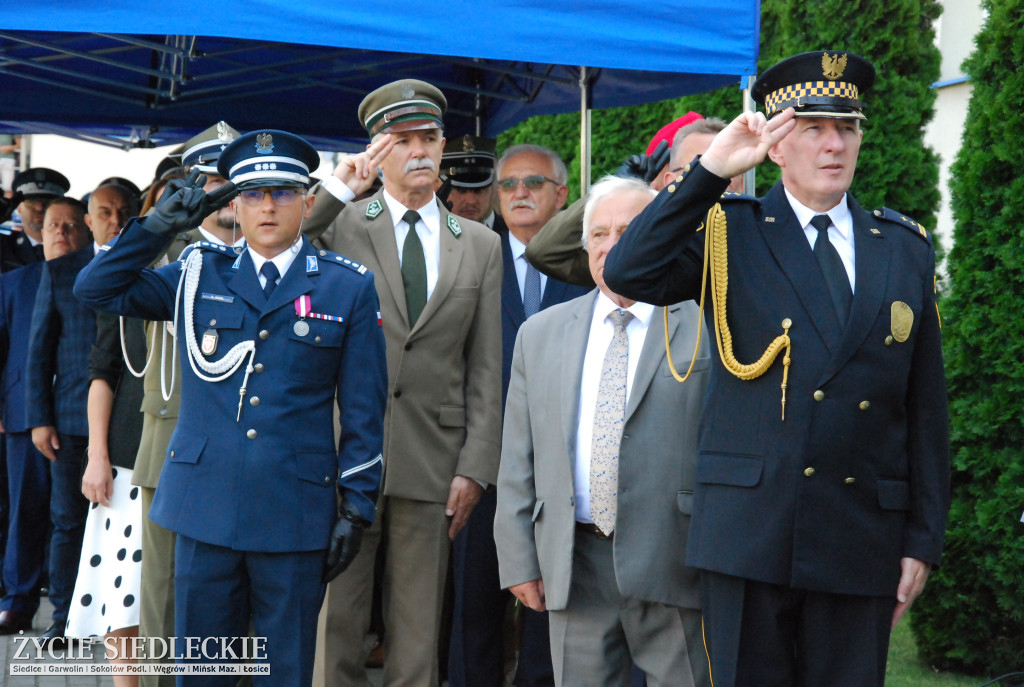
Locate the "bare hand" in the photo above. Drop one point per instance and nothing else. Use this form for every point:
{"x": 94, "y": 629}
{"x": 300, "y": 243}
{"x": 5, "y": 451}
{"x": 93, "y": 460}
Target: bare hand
{"x": 745, "y": 142}
{"x": 912, "y": 579}
{"x": 359, "y": 171}
{"x": 462, "y": 498}
{"x": 98, "y": 480}
{"x": 531, "y": 594}
{"x": 45, "y": 440}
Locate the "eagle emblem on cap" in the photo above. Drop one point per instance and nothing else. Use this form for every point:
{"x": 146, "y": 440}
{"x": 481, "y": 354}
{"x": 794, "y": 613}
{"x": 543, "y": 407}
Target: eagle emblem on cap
{"x": 833, "y": 66}
{"x": 467, "y": 144}
{"x": 264, "y": 143}
{"x": 223, "y": 134}
{"x": 407, "y": 92}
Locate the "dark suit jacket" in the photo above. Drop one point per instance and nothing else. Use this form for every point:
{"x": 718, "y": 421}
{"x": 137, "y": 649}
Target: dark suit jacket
{"x": 512, "y": 313}
{"x": 17, "y": 299}
{"x": 264, "y": 482}
{"x": 62, "y": 334}
{"x": 857, "y": 476}
{"x": 106, "y": 362}
{"x": 17, "y": 251}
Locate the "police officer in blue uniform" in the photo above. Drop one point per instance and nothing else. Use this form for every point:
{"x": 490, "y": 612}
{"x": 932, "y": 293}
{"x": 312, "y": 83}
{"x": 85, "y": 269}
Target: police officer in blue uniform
{"x": 823, "y": 474}
{"x": 271, "y": 333}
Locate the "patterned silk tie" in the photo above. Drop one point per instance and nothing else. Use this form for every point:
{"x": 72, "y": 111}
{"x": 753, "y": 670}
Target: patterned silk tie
{"x": 832, "y": 267}
{"x": 414, "y": 269}
{"x": 608, "y": 419}
{"x": 269, "y": 272}
{"x": 531, "y": 290}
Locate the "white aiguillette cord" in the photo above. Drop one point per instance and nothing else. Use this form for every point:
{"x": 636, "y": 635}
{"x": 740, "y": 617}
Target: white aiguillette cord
{"x": 218, "y": 370}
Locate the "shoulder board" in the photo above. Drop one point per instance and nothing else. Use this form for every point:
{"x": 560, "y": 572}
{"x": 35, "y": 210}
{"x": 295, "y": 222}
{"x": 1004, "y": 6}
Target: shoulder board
{"x": 733, "y": 197}
{"x": 904, "y": 221}
{"x": 327, "y": 257}
{"x": 209, "y": 247}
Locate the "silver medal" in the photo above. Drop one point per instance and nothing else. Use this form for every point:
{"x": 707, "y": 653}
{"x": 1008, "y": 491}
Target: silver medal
{"x": 301, "y": 328}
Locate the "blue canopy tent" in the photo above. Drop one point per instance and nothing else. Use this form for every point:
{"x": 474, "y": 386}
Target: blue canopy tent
{"x": 150, "y": 75}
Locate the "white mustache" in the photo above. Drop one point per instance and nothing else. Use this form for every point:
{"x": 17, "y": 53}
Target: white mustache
{"x": 524, "y": 203}
{"x": 420, "y": 163}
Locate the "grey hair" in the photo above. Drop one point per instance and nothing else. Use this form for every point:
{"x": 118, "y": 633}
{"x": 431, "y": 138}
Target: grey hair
{"x": 710, "y": 125}
{"x": 603, "y": 190}
{"x": 558, "y": 171}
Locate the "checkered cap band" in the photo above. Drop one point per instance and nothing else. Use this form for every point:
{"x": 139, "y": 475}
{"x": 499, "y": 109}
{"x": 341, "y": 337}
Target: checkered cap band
{"x": 813, "y": 92}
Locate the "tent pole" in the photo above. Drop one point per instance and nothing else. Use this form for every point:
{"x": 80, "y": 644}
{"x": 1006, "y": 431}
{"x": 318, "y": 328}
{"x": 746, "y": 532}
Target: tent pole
{"x": 584, "y": 133}
{"x": 749, "y": 106}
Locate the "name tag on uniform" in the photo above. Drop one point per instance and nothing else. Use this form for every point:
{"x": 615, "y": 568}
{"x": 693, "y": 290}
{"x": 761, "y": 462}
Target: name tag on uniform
{"x": 217, "y": 297}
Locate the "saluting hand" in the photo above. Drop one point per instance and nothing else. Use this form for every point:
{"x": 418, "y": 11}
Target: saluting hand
{"x": 184, "y": 204}
{"x": 745, "y": 142}
{"x": 358, "y": 171}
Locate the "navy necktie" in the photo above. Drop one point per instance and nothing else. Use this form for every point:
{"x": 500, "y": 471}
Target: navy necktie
{"x": 832, "y": 268}
{"x": 269, "y": 272}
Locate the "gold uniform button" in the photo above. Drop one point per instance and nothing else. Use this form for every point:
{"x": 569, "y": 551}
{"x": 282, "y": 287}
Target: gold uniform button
{"x": 888, "y": 341}
{"x": 679, "y": 178}
{"x": 671, "y": 188}
{"x": 787, "y": 323}
{"x": 264, "y": 334}
{"x": 252, "y": 434}
{"x": 849, "y": 480}
{"x": 819, "y": 395}
{"x": 254, "y": 401}
{"x": 864, "y": 405}
{"x": 258, "y": 367}
{"x": 809, "y": 472}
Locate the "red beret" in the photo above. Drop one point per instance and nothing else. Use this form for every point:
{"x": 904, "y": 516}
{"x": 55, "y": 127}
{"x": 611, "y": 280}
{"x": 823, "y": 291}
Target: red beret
{"x": 668, "y": 132}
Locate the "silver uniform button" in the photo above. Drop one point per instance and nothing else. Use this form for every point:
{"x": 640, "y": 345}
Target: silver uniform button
{"x": 254, "y": 401}
{"x": 258, "y": 367}
{"x": 252, "y": 434}
{"x": 264, "y": 334}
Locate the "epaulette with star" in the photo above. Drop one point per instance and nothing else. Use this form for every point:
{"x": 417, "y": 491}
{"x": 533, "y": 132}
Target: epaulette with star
{"x": 210, "y": 247}
{"x": 734, "y": 197}
{"x": 904, "y": 221}
{"x": 331, "y": 258}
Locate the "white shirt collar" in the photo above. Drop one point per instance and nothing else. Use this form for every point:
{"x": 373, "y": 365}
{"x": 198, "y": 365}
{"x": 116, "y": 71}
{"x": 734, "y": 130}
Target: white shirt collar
{"x": 212, "y": 238}
{"x": 429, "y": 213}
{"x": 282, "y": 260}
{"x": 840, "y": 214}
{"x": 603, "y": 306}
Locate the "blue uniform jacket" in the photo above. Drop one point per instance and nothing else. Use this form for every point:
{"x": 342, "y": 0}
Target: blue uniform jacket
{"x": 264, "y": 482}
{"x": 857, "y": 476}
{"x": 17, "y": 299}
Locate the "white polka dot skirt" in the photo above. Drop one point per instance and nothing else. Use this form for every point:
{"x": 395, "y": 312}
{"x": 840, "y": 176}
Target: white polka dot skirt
{"x": 110, "y": 572}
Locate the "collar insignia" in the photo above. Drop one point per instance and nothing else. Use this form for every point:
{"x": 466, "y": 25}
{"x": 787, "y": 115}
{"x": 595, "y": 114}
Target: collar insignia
{"x": 374, "y": 209}
{"x": 453, "y": 226}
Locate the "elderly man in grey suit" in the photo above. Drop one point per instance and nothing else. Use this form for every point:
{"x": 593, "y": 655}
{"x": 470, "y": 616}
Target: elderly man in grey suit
{"x": 597, "y": 467}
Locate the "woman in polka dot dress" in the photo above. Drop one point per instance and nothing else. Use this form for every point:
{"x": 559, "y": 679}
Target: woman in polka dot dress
{"x": 106, "y": 600}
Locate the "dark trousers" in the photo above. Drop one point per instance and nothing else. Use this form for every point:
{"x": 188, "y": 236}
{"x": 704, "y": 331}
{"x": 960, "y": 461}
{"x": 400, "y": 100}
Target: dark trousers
{"x": 217, "y": 590}
{"x": 476, "y": 653}
{"x": 28, "y": 484}
{"x": 68, "y": 511}
{"x": 767, "y": 635}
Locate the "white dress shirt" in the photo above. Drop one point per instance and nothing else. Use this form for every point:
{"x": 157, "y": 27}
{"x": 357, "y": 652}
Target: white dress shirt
{"x": 428, "y": 229}
{"x": 282, "y": 260}
{"x": 601, "y": 332}
{"x": 519, "y": 260}
{"x": 840, "y": 234}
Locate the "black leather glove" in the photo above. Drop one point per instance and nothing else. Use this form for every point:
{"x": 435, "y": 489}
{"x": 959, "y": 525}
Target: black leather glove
{"x": 8, "y": 205}
{"x": 184, "y": 204}
{"x": 345, "y": 540}
{"x": 443, "y": 191}
{"x": 645, "y": 167}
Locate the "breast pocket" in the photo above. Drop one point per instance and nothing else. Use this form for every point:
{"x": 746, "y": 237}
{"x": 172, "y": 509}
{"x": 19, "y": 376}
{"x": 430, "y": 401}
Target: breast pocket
{"x": 217, "y": 325}
{"x": 314, "y": 352}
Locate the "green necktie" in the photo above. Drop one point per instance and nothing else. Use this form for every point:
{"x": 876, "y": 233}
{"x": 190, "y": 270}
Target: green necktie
{"x": 414, "y": 269}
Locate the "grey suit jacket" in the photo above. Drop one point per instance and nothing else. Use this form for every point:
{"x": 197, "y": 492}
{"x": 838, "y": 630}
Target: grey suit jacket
{"x": 443, "y": 414}
{"x": 534, "y": 528}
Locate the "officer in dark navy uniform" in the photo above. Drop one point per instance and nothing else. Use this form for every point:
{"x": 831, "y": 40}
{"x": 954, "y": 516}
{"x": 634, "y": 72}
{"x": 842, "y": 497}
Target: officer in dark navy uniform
{"x": 32, "y": 189}
{"x": 272, "y": 333}
{"x": 823, "y": 475}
